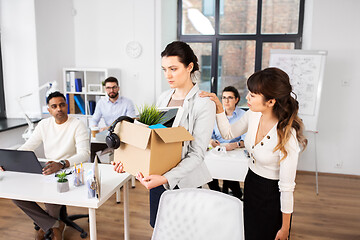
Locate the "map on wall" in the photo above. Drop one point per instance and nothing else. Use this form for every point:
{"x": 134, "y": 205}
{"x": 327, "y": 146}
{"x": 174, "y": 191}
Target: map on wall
{"x": 305, "y": 69}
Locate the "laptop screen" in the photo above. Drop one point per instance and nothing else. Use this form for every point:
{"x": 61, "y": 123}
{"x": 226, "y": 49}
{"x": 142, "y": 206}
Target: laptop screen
{"x": 20, "y": 161}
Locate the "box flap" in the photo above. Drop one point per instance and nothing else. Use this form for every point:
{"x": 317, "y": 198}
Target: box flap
{"x": 133, "y": 134}
{"x": 170, "y": 135}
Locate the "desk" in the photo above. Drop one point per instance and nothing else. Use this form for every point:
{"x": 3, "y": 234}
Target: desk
{"x": 232, "y": 165}
{"x": 15, "y": 185}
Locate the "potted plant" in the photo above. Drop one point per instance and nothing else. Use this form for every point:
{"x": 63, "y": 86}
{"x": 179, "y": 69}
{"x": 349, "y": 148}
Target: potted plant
{"x": 149, "y": 115}
{"x": 62, "y": 182}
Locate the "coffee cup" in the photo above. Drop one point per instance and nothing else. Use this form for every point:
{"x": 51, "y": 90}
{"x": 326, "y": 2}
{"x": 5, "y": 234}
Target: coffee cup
{"x": 94, "y": 131}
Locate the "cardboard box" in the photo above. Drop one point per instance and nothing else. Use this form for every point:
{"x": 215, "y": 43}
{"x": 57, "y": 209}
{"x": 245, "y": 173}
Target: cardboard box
{"x": 149, "y": 151}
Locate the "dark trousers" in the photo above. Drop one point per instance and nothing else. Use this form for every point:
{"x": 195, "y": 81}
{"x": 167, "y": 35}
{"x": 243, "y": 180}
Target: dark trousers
{"x": 262, "y": 214}
{"x": 155, "y": 194}
{"x": 95, "y": 147}
{"x": 44, "y": 219}
{"x": 233, "y": 185}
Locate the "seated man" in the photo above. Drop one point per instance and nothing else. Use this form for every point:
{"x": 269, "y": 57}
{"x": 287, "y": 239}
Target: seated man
{"x": 110, "y": 108}
{"x": 113, "y": 106}
{"x": 66, "y": 141}
{"x": 230, "y": 98}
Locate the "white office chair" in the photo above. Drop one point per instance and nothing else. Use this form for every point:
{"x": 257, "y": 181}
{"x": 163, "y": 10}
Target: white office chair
{"x": 198, "y": 214}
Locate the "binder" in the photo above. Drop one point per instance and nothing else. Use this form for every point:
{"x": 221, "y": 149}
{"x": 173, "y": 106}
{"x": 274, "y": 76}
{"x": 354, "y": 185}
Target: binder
{"x": 68, "y": 85}
{"x": 71, "y": 104}
{"x": 80, "y": 103}
{"x": 72, "y": 81}
{"x": 92, "y": 105}
{"x": 78, "y": 85}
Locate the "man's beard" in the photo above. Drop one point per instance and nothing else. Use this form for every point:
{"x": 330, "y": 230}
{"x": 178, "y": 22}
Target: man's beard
{"x": 114, "y": 96}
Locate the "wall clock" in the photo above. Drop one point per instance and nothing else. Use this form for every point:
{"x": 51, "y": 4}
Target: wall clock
{"x": 133, "y": 49}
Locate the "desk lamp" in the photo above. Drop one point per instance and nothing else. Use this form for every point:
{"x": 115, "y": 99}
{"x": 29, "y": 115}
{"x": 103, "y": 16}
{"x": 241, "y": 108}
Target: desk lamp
{"x": 51, "y": 87}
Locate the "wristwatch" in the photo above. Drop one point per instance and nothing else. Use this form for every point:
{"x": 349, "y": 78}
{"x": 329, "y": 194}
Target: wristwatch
{"x": 63, "y": 163}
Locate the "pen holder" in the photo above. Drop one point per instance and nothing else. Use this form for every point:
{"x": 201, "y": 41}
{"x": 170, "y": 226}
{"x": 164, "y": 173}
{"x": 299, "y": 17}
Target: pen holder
{"x": 79, "y": 178}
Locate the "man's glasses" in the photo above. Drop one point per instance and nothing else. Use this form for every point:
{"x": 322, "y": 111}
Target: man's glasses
{"x": 228, "y": 98}
{"x": 111, "y": 88}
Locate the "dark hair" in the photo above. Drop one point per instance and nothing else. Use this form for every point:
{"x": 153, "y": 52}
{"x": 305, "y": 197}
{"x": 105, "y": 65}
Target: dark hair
{"x": 274, "y": 83}
{"x": 184, "y": 52}
{"x": 234, "y": 91}
{"x": 54, "y": 94}
{"x": 111, "y": 79}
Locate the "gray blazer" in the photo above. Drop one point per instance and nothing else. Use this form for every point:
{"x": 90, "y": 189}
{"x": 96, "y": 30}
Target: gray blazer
{"x": 198, "y": 118}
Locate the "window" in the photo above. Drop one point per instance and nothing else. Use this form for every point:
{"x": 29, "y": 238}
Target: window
{"x": 208, "y": 7}
{"x": 233, "y": 38}
{"x": 2, "y": 97}
{"x": 206, "y": 69}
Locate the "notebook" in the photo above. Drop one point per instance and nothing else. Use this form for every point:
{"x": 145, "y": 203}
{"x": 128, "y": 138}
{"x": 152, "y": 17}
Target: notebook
{"x": 20, "y": 161}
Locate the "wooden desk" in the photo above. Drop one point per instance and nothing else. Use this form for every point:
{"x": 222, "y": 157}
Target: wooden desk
{"x": 232, "y": 165}
{"x": 15, "y": 185}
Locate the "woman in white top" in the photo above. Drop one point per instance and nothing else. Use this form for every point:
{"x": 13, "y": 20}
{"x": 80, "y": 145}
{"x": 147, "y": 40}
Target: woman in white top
{"x": 179, "y": 64}
{"x": 274, "y": 133}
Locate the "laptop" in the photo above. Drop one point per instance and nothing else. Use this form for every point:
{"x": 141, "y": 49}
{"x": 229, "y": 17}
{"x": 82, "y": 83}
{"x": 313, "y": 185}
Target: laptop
{"x": 20, "y": 161}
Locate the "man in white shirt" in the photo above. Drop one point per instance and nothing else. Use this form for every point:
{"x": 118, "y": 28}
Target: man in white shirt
{"x": 66, "y": 141}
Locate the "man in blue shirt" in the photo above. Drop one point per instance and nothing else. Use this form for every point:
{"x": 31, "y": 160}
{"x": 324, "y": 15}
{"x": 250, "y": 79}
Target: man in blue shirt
{"x": 230, "y": 98}
{"x": 110, "y": 108}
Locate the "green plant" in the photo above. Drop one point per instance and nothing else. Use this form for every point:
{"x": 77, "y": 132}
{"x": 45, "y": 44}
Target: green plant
{"x": 149, "y": 115}
{"x": 62, "y": 177}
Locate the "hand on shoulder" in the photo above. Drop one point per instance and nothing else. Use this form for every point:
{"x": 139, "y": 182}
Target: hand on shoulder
{"x": 215, "y": 99}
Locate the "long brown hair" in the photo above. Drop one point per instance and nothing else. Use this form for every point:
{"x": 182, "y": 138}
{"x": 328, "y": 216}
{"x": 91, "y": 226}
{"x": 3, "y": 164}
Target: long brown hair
{"x": 274, "y": 83}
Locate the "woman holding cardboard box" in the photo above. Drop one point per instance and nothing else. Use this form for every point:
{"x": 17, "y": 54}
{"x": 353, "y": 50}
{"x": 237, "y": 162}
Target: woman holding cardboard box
{"x": 274, "y": 137}
{"x": 179, "y": 64}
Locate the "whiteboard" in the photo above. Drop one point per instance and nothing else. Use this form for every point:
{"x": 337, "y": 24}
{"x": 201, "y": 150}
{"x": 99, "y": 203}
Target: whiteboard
{"x": 306, "y": 71}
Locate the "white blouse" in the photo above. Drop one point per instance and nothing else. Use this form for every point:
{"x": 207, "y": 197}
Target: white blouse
{"x": 263, "y": 160}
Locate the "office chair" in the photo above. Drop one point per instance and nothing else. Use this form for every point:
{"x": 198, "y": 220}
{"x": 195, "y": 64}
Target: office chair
{"x": 69, "y": 221}
{"x": 198, "y": 214}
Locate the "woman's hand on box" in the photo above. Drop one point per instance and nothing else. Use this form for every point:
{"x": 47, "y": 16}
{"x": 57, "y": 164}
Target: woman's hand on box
{"x": 151, "y": 181}
{"x": 118, "y": 167}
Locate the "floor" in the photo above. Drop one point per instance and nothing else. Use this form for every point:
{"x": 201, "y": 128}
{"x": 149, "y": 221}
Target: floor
{"x": 333, "y": 214}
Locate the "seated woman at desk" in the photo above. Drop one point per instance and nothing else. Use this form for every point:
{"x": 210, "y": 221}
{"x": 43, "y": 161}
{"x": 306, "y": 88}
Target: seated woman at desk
{"x": 274, "y": 137}
{"x": 230, "y": 98}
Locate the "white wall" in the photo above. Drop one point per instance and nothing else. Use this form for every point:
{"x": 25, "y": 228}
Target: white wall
{"x": 102, "y": 30}
{"x": 334, "y": 27}
{"x": 19, "y": 54}
{"x": 55, "y": 41}
{"x": 37, "y": 42}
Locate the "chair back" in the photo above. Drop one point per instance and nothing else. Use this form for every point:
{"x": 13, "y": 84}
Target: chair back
{"x": 198, "y": 214}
